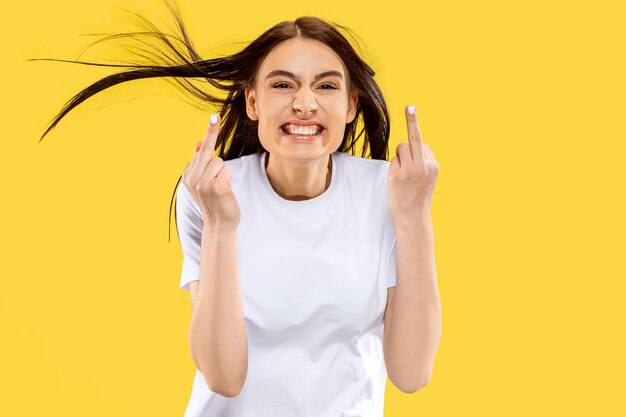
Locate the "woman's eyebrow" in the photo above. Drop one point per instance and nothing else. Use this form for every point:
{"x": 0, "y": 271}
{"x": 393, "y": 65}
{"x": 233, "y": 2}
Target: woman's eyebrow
{"x": 297, "y": 78}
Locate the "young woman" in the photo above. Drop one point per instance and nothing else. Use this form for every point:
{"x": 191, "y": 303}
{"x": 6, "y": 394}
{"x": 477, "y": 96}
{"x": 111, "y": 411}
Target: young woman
{"x": 291, "y": 244}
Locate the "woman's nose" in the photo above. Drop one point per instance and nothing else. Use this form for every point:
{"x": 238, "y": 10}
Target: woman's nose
{"x": 304, "y": 102}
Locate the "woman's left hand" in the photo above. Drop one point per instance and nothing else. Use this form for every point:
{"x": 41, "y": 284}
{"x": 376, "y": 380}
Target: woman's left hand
{"x": 411, "y": 179}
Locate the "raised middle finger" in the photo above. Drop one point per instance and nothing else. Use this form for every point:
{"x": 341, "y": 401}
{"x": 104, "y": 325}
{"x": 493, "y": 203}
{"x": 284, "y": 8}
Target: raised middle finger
{"x": 207, "y": 148}
{"x": 415, "y": 136}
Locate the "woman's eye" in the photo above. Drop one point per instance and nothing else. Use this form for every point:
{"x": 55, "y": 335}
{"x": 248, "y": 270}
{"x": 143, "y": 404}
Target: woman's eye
{"x": 325, "y": 86}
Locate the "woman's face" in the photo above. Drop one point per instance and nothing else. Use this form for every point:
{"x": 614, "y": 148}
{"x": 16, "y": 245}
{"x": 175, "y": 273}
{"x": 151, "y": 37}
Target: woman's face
{"x": 301, "y": 81}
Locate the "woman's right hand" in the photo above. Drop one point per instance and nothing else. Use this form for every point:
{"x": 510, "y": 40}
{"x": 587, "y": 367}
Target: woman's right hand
{"x": 208, "y": 182}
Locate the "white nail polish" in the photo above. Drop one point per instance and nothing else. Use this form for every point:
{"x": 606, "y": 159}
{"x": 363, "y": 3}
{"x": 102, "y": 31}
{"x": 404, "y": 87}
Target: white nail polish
{"x": 411, "y": 109}
{"x": 213, "y": 119}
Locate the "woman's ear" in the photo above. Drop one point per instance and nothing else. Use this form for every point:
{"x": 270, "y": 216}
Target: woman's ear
{"x": 251, "y": 104}
{"x": 352, "y": 104}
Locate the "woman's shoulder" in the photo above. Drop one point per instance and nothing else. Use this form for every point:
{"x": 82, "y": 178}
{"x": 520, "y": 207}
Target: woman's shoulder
{"x": 236, "y": 163}
{"x": 367, "y": 178}
{"x": 239, "y": 166}
{"x": 244, "y": 171}
{"x": 353, "y": 159}
{"x": 360, "y": 167}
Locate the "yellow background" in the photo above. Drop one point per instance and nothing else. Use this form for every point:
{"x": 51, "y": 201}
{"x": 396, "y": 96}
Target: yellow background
{"x": 522, "y": 104}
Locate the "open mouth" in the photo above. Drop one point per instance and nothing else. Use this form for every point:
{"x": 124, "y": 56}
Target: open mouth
{"x": 308, "y": 133}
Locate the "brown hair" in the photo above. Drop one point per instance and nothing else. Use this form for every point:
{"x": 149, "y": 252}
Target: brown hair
{"x": 238, "y": 134}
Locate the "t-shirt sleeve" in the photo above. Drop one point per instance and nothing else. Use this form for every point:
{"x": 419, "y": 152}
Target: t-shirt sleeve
{"x": 391, "y": 276}
{"x": 189, "y": 223}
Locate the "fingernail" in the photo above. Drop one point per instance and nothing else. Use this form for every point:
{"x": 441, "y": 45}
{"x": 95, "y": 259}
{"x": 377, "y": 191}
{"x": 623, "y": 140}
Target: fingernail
{"x": 411, "y": 109}
{"x": 213, "y": 119}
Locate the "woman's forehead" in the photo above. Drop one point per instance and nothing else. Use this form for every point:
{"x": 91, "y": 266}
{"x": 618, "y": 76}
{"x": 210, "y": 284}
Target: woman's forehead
{"x": 303, "y": 58}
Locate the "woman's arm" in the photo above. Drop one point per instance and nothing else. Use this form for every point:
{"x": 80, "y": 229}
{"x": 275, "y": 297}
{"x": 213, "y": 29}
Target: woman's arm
{"x": 217, "y": 333}
{"x": 415, "y": 329}
{"x": 413, "y": 324}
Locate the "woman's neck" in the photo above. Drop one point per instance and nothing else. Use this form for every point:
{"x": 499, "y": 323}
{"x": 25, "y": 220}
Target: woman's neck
{"x": 298, "y": 182}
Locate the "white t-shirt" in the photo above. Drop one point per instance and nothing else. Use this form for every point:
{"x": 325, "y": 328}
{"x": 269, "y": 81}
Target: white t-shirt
{"x": 313, "y": 277}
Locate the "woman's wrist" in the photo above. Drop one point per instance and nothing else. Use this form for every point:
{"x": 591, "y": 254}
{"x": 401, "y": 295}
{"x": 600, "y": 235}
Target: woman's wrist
{"x": 218, "y": 228}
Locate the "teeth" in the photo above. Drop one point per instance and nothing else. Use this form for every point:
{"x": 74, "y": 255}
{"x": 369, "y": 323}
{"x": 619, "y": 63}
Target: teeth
{"x": 300, "y": 130}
